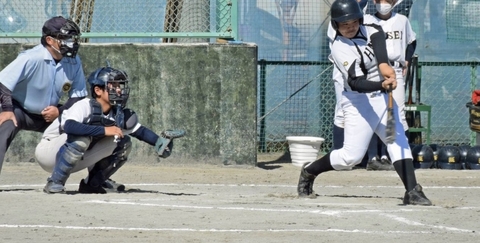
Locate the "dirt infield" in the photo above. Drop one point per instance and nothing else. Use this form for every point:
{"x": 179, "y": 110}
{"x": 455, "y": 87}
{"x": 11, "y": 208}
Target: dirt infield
{"x": 209, "y": 203}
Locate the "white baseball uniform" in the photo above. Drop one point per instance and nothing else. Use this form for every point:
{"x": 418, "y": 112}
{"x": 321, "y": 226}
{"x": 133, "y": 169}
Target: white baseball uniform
{"x": 365, "y": 113}
{"x": 337, "y": 78}
{"x": 52, "y": 139}
{"x": 399, "y": 34}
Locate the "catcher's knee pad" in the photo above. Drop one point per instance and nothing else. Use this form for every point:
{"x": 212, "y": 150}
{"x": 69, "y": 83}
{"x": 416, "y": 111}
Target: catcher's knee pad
{"x": 79, "y": 143}
{"x": 67, "y": 156}
{"x": 73, "y": 150}
{"x": 106, "y": 167}
{"x": 124, "y": 146}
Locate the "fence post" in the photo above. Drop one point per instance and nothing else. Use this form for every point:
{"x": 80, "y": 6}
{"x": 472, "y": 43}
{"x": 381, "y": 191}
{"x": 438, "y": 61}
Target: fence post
{"x": 474, "y": 136}
{"x": 262, "y": 141}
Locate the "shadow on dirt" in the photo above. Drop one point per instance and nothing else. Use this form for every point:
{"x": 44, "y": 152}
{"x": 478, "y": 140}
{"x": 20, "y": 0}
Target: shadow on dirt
{"x": 16, "y": 190}
{"x": 136, "y": 190}
{"x": 357, "y": 196}
{"x": 275, "y": 163}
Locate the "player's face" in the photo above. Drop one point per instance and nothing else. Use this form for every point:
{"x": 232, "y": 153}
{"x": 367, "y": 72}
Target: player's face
{"x": 349, "y": 29}
{"x": 115, "y": 88}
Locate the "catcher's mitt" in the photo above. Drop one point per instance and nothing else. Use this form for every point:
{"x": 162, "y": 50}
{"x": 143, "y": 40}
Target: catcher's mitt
{"x": 164, "y": 144}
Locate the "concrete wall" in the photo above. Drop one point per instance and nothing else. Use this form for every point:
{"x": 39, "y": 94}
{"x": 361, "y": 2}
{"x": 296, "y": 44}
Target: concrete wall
{"x": 207, "y": 89}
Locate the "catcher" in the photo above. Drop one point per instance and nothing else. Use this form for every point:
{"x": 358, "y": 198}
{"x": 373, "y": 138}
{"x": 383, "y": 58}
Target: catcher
{"x": 95, "y": 134}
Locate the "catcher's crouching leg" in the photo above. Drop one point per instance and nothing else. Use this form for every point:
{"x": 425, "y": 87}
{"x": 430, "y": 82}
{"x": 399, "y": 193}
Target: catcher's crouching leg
{"x": 68, "y": 155}
{"x": 98, "y": 176}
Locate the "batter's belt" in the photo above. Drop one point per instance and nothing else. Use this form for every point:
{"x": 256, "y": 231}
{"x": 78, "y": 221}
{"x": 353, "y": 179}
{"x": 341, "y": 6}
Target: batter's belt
{"x": 396, "y": 64}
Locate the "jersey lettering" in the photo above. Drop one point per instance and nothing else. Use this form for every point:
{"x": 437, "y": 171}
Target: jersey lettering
{"x": 394, "y": 35}
{"x": 369, "y": 51}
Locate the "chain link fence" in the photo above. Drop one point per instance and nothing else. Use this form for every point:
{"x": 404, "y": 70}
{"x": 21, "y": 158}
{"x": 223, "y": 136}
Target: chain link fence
{"x": 293, "y": 50}
{"x": 295, "y": 90}
{"x": 144, "y": 21}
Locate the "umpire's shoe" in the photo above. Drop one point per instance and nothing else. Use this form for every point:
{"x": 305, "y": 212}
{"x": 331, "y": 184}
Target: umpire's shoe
{"x": 305, "y": 184}
{"x": 416, "y": 197}
{"x": 111, "y": 185}
{"x": 52, "y": 187}
{"x": 376, "y": 164}
{"x": 89, "y": 189}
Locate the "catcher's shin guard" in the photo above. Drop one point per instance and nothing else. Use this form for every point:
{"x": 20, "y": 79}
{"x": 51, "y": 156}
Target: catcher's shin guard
{"x": 68, "y": 155}
{"x": 305, "y": 184}
{"x": 106, "y": 167}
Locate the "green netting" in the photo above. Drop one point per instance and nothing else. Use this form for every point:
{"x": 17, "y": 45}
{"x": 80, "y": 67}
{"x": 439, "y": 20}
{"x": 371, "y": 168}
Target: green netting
{"x": 462, "y": 20}
{"x": 294, "y": 34}
{"x": 123, "y": 21}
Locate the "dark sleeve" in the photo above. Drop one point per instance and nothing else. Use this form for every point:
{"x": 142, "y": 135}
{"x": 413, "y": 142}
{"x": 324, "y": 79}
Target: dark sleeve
{"x": 68, "y": 104}
{"x": 146, "y": 135}
{"x": 361, "y": 84}
{"x": 410, "y": 51}
{"x": 5, "y": 98}
{"x": 379, "y": 46}
{"x": 80, "y": 129}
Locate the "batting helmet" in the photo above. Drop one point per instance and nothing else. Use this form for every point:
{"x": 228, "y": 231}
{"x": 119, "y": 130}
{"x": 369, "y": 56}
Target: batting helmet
{"x": 473, "y": 157}
{"x": 463, "y": 155}
{"x": 435, "y": 148}
{"x": 422, "y": 156}
{"x": 114, "y": 80}
{"x": 345, "y": 10}
{"x": 449, "y": 158}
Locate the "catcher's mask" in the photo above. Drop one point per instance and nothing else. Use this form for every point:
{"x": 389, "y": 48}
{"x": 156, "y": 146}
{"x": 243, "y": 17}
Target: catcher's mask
{"x": 114, "y": 81}
{"x": 66, "y": 32}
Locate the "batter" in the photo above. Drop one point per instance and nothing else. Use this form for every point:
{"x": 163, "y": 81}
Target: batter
{"x": 359, "y": 52}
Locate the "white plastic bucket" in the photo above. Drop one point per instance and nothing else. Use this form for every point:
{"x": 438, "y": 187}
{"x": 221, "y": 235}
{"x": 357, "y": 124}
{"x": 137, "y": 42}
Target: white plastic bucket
{"x": 304, "y": 149}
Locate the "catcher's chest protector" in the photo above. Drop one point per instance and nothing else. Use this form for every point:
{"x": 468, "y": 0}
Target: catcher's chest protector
{"x": 97, "y": 117}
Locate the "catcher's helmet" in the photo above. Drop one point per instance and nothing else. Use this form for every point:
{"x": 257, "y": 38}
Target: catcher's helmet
{"x": 114, "y": 80}
{"x": 473, "y": 157}
{"x": 345, "y": 10}
{"x": 449, "y": 158}
{"x": 422, "y": 156}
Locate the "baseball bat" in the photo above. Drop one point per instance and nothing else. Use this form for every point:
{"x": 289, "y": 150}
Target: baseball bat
{"x": 409, "y": 82}
{"x": 418, "y": 84}
{"x": 390, "y": 130}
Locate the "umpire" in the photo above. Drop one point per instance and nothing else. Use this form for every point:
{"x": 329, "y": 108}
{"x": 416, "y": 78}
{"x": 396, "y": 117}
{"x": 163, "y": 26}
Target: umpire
{"x": 31, "y": 86}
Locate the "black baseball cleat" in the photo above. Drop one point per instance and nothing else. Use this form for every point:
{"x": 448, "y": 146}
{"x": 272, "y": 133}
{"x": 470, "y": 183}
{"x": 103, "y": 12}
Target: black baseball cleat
{"x": 110, "y": 184}
{"x": 376, "y": 164}
{"x": 416, "y": 197}
{"x": 305, "y": 184}
{"x": 88, "y": 189}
